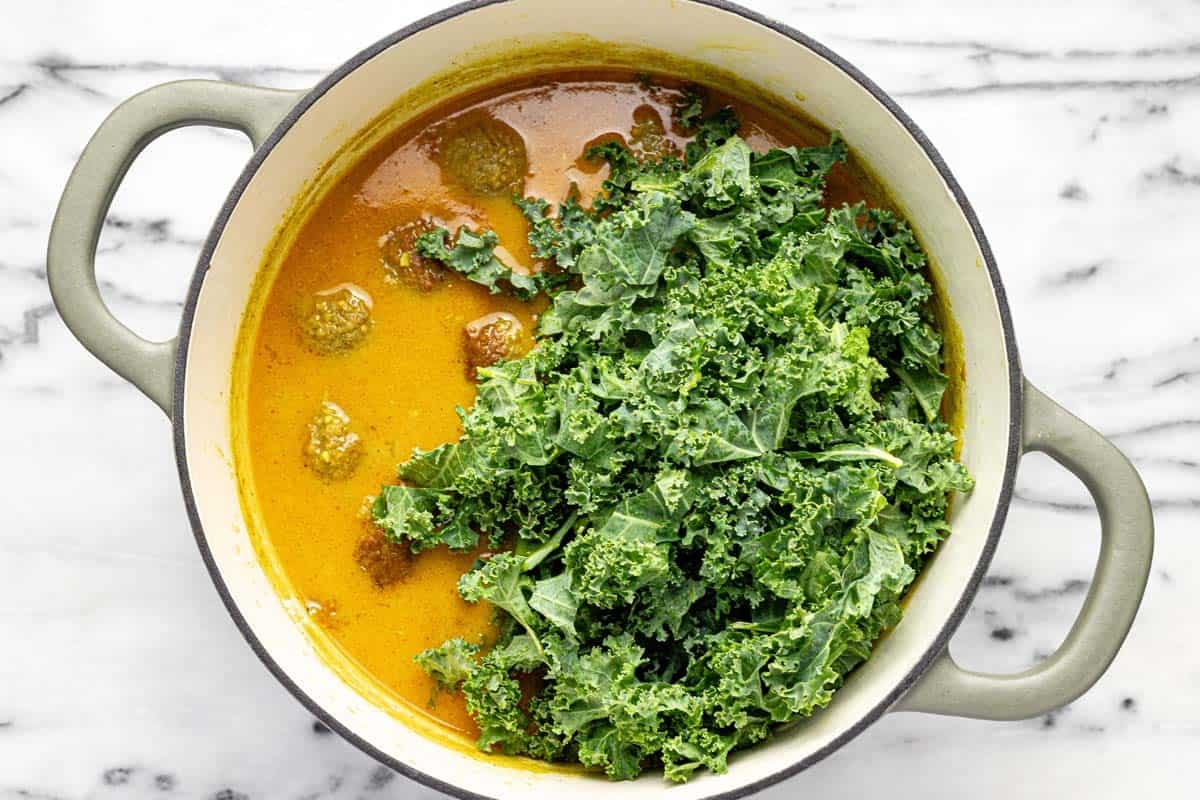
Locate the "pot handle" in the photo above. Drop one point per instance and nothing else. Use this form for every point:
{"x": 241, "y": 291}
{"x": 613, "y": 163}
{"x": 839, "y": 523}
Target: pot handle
{"x": 1126, "y": 546}
{"x": 71, "y": 257}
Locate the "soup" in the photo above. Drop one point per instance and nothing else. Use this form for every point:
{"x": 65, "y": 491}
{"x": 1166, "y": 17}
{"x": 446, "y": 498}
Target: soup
{"x": 366, "y": 344}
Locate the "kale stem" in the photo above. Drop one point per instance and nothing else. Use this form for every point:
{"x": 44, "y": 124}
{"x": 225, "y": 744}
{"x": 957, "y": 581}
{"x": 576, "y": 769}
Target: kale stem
{"x": 550, "y": 545}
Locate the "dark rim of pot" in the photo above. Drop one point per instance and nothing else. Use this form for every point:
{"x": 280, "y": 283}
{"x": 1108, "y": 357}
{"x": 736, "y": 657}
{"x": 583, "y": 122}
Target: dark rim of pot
{"x": 1014, "y": 389}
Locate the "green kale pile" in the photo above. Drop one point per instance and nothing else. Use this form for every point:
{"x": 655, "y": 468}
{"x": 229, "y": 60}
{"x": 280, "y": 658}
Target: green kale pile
{"x": 714, "y": 477}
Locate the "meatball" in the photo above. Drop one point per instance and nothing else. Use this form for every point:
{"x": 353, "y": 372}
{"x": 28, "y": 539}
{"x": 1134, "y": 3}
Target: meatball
{"x": 493, "y": 338}
{"x": 385, "y": 562}
{"x": 336, "y": 320}
{"x": 402, "y": 263}
{"x": 483, "y": 155}
{"x": 648, "y": 137}
{"x": 332, "y": 450}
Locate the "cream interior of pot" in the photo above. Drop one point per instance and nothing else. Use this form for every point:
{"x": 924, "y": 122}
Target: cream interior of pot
{"x": 469, "y": 49}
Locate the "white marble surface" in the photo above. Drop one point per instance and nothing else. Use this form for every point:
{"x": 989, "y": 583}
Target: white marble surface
{"x": 1073, "y": 128}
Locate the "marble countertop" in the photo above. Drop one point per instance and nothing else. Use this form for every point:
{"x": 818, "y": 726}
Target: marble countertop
{"x": 1072, "y": 128}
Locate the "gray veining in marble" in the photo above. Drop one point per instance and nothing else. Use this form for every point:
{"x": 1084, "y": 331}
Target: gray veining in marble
{"x": 1072, "y": 127}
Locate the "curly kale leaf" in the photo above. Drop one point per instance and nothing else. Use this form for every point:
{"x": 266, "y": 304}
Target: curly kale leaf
{"x": 472, "y": 255}
{"x": 450, "y": 663}
{"x": 501, "y": 581}
{"x": 406, "y": 514}
{"x": 493, "y": 696}
{"x": 561, "y": 237}
{"x": 688, "y": 112}
{"x": 555, "y": 599}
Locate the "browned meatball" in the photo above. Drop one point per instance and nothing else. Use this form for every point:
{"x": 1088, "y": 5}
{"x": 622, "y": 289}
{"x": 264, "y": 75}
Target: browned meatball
{"x": 648, "y": 137}
{"x": 493, "y": 338}
{"x": 385, "y": 562}
{"x": 402, "y": 263}
{"x": 336, "y": 320}
{"x": 483, "y": 155}
{"x": 332, "y": 450}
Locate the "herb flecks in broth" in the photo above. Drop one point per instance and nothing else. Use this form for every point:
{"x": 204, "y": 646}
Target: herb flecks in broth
{"x": 715, "y": 475}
